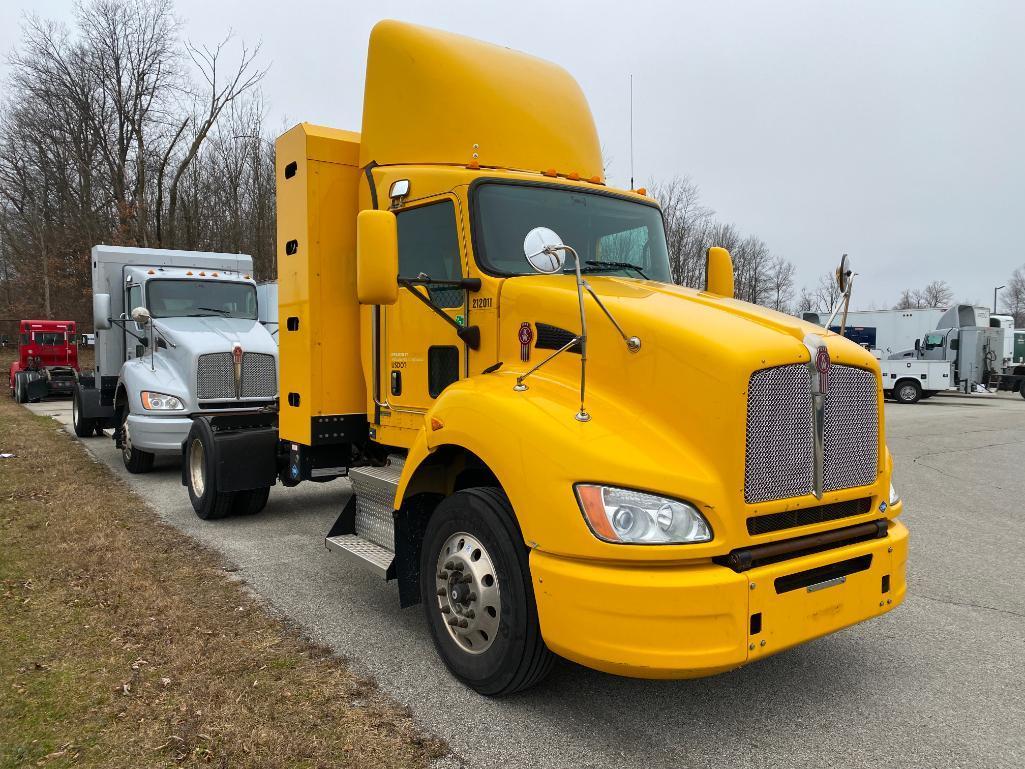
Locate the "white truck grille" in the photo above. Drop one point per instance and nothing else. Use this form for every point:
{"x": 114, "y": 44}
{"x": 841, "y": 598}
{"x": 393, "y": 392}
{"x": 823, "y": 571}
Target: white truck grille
{"x": 779, "y": 461}
{"x": 215, "y": 376}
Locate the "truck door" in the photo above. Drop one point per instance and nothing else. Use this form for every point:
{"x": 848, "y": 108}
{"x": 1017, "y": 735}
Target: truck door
{"x": 423, "y": 354}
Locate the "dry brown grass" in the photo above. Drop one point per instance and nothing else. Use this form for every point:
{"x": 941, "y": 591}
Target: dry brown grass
{"x": 123, "y": 643}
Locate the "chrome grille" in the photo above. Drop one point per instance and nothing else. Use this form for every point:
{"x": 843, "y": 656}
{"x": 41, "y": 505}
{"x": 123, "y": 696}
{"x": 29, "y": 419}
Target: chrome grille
{"x": 215, "y": 376}
{"x": 779, "y": 455}
{"x": 259, "y": 375}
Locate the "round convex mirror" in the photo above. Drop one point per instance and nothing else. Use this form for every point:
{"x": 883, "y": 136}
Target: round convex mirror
{"x": 843, "y": 274}
{"x": 534, "y": 245}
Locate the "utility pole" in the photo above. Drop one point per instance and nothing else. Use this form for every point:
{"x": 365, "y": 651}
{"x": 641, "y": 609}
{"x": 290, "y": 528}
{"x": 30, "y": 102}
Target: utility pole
{"x": 995, "y": 298}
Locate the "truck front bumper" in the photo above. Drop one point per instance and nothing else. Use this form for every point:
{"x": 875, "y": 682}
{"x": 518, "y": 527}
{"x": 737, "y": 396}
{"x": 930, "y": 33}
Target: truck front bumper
{"x": 691, "y": 621}
{"x": 159, "y": 435}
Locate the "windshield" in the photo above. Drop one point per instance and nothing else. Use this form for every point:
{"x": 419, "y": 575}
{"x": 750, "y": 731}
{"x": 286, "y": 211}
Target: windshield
{"x": 49, "y": 338}
{"x": 613, "y": 236}
{"x": 201, "y": 298}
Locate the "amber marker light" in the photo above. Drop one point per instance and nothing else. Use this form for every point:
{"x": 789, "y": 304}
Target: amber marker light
{"x": 594, "y": 510}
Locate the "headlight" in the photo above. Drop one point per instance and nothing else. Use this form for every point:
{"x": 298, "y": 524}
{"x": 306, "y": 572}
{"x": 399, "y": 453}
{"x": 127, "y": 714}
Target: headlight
{"x": 894, "y": 496}
{"x": 633, "y": 517}
{"x": 161, "y": 402}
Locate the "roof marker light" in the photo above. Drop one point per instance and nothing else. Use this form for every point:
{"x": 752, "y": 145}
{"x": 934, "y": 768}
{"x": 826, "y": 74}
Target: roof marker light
{"x": 550, "y": 172}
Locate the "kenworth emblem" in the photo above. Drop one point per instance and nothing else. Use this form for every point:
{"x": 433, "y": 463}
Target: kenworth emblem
{"x": 236, "y": 359}
{"x": 822, "y": 365}
{"x": 818, "y": 369}
{"x": 526, "y": 336}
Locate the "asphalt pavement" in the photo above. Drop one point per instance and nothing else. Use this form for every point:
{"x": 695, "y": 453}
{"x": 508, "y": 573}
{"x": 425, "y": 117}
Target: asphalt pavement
{"x": 939, "y": 682}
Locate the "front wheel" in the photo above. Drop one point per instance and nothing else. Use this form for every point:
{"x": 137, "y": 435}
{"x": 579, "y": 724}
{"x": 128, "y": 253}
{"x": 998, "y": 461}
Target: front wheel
{"x": 908, "y": 391}
{"x": 477, "y": 594}
{"x": 135, "y": 460}
{"x": 201, "y": 474}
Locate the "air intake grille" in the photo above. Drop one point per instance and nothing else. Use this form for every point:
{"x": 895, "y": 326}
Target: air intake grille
{"x": 215, "y": 376}
{"x": 779, "y": 456}
{"x": 789, "y": 519}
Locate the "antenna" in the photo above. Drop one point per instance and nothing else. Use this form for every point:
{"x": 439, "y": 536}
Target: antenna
{"x": 631, "y": 131}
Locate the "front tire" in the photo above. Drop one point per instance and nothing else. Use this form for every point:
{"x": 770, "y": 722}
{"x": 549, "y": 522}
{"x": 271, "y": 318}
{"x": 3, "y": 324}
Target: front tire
{"x": 908, "y": 391}
{"x": 136, "y": 461}
{"x": 201, "y": 474}
{"x": 477, "y": 594}
{"x": 84, "y": 428}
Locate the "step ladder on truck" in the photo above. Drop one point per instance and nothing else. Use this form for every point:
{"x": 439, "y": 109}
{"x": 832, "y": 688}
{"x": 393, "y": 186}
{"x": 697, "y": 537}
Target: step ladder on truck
{"x": 551, "y": 448}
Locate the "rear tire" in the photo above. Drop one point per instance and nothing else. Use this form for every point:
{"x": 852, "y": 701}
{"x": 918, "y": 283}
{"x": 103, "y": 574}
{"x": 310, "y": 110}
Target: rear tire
{"x": 201, "y": 474}
{"x": 20, "y": 388}
{"x": 250, "y": 502}
{"x": 84, "y": 428}
{"x": 136, "y": 461}
{"x": 499, "y": 650}
{"x": 908, "y": 391}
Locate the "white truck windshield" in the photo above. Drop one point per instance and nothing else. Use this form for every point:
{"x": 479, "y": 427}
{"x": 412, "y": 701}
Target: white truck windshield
{"x": 613, "y": 235}
{"x": 201, "y": 298}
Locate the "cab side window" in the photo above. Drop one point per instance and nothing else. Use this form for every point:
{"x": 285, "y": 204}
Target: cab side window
{"x": 429, "y": 247}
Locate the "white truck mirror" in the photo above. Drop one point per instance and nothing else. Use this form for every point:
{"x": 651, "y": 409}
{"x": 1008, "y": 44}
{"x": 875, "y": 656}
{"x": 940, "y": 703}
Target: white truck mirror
{"x": 101, "y": 311}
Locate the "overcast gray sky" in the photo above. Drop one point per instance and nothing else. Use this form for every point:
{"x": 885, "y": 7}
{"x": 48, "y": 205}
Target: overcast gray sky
{"x": 894, "y": 131}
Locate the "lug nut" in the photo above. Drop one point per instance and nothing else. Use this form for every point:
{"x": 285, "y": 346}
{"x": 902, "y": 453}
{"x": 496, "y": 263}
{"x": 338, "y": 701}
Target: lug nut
{"x": 469, "y": 614}
{"x": 445, "y": 610}
{"x": 457, "y": 567}
{"x": 442, "y": 575}
{"x": 449, "y": 564}
{"x": 442, "y": 591}
{"x": 471, "y": 597}
{"x": 452, "y": 621}
{"x": 463, "y": 623}
{"x": 467, "y": 579}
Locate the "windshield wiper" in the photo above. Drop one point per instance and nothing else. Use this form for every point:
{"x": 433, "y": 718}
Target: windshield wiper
{"x": 597, "y": 266}
{"x": 210, "y": 309}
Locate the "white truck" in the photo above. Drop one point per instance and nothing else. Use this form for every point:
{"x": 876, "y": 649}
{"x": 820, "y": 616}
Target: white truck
{"x": 909, "y": 380}
{"x": 178, "y": 333}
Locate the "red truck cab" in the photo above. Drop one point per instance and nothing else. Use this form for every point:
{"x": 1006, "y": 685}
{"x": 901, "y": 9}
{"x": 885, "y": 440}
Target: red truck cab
{"x": 47, "y": 361}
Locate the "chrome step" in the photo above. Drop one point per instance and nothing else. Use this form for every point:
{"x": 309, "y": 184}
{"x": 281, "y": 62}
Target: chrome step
{"x": 362, "y": 551}
{"x": 374, "y": 489}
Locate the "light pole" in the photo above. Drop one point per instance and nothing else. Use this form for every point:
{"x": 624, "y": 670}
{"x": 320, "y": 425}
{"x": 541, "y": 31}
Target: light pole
{"x": 997, "y": 288}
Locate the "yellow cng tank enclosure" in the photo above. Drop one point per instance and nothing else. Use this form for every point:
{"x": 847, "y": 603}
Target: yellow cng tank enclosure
{"x": 317, "y": 170}
{"x": 446, "y": 115}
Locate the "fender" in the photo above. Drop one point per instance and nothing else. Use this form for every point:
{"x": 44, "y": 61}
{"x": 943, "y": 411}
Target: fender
{"x": 543, "y": 451}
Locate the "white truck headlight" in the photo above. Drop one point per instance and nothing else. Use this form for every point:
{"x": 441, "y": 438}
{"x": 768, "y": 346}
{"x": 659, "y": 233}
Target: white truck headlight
{"x": 632, "y": 517}
{"x": 160, "y": 402}
{"x": 894, "y": 496}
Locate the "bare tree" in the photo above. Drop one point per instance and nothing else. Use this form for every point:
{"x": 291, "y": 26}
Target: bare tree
{"x": 687, "y": 224}
{"x": 1014, "y": 296}
{"x": 937, "y": 294}
{"x": 781, "y": 284}
{"x": 826, "y": 293}
{"x": 102, "y": 128}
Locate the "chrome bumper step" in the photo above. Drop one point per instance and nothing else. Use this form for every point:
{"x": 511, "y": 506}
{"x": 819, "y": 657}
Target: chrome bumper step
{"x": 362, "y": 551}
{"x": 365, "y": 531}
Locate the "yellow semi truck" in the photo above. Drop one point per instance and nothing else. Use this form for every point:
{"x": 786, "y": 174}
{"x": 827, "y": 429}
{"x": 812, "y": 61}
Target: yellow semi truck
{"x": 551, "y": 447}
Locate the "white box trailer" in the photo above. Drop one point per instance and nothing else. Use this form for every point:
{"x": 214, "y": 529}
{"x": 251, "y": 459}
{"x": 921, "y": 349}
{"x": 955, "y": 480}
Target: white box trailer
{"x": 889, "y": 331}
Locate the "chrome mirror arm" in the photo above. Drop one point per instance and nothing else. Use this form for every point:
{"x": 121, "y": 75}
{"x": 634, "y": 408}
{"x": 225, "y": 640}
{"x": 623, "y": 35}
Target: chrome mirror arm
{"x": 633, "y": 343}
{"x": 845, "y": 300}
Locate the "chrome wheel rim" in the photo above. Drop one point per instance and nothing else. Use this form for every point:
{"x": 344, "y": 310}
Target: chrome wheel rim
{"x": 469, "y": 597}
{"x": 126, "y": 442}
{"x": 907, "y": 392}
{"x": 197, "y": 473}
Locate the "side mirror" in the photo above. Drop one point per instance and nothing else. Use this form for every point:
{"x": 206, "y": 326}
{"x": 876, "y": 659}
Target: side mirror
{"x": 843, "y": 274}
{"x": 377, "y": 257}
{"x": 719, "y": 272}
{"x": 918, "y": 345}
{"x": 541, "y": 247}
{"x": 141, "y": 316}
{"x": 101, "y": 311}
